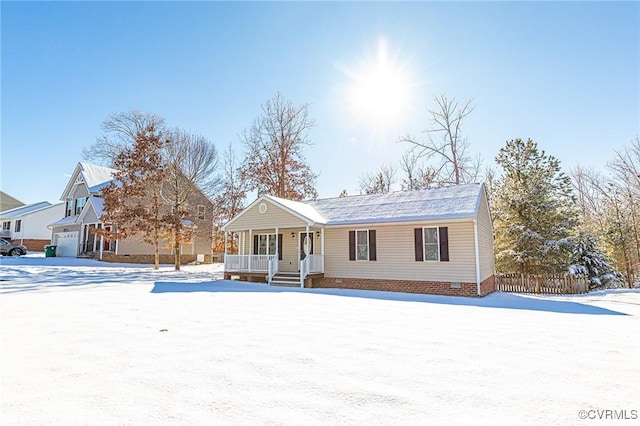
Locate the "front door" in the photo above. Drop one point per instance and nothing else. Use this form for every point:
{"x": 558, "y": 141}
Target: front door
{"x": 106, "y": 245}
{"x": 305, "y": 245}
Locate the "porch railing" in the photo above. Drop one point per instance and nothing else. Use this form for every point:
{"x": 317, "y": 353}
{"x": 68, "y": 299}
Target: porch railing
{"x": 248, "y": 263}
{"x": 316, "y": 263}
{"x": 273, "y": 266}
{"x": 311, "y": 264}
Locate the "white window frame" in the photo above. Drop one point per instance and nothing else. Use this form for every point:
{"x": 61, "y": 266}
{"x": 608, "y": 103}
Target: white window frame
{"x": 6, "y": 225}
{"x": 270, "y": 237}
{"x": 68, "y": 208}
{"x": 366, "y": 231}
{"x": 200, "y": 211}
{"x": 18, "y": 226}
{"x": 424, "y": 243}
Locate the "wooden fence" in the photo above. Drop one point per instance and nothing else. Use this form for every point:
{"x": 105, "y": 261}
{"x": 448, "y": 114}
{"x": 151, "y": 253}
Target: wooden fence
{"x": 546, "y": 284}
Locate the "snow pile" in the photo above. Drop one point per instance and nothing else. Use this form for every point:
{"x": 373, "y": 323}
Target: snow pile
{"x": 84, "y": 342}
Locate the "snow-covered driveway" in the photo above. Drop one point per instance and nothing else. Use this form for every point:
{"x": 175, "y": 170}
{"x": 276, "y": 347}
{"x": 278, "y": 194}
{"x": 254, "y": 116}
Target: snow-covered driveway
{"x": 84, "y": 342}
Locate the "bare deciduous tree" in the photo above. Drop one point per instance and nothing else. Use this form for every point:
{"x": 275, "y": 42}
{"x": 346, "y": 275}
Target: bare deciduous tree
{"x": 445, "y": 143}
{"x": 378, "y": 182}
{"x": 230, "y": 200}
{"x": 610, "y": 207}
{"x": 415, "y": 176}
{"x": 275, "y": 162}
{"x": 190, "y": 164}
{"x": 119, "y": 131}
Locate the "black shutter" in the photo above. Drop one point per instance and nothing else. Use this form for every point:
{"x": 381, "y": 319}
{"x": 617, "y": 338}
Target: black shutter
{"x": 372, "y": 244}
{"x": 352, "y": 245}
{"x": 417, "y": 238}
{"x": 444, "y": 243}
{"x": 255, "y": 244}
{"x": 279, "y": 246}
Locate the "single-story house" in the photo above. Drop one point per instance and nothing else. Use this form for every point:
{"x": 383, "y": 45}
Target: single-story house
{"x": 437, "y": 241}
{"x": 74, "y": 235}
{"x": 27, "y": 225}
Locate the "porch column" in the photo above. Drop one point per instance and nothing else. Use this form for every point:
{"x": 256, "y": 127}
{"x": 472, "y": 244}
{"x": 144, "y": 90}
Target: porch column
{"x": 322, "y": 247}
{"x": 307, "y": 236}
{"x": 250, "y": 247}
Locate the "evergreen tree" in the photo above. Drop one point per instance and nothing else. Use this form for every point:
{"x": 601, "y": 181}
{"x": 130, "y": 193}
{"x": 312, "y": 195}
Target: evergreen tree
{"x": 586, "y": 259}
{"x": 533, "y": 209}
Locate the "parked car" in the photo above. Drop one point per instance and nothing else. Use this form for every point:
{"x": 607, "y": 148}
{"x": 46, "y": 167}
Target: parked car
{"x": 11, "y": 249}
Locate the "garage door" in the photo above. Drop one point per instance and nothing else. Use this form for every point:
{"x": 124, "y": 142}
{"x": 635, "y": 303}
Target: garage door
{"x": 67, "y": 243}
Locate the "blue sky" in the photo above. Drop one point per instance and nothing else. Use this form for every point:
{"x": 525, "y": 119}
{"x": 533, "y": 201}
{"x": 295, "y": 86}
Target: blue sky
{"x": 566, "y": 74}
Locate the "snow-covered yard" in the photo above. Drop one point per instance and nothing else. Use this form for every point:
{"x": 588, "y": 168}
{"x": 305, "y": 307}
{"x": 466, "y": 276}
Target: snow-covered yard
{"x": 84, "y": 342}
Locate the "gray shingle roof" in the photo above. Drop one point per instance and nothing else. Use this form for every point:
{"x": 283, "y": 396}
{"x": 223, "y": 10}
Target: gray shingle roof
{"x": 450, "y": 202}
{"x": 442, "y": 203}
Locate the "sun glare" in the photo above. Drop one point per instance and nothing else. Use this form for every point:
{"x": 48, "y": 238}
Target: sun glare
{"x": 379, "y": 90}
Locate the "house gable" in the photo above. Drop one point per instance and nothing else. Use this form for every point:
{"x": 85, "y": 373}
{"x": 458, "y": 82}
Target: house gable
{"x": 267, "y": 213}
{"x": 89, "y": 177}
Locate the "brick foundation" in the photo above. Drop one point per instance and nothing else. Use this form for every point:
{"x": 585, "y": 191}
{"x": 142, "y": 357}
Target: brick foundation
{"x": 148, "y": 258}
{"x": 425, "y": 287}
{"x": 488, "y": 286}
{"x": 32, "y": 245}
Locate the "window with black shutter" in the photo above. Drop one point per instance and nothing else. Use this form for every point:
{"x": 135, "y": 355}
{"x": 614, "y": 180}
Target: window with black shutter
{"x": 431, "y": 244}
{"x": 362, "y": 245}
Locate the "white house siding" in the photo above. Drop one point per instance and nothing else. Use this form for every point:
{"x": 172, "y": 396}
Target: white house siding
{"x": 274, "y": 216}
{"x": 34, "y": 224}
{"x": 485, "y": 240}
{"x": 396, "y": 255}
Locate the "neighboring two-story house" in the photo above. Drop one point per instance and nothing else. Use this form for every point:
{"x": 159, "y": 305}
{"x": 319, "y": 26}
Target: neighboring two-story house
{"x": 74, "y": 233}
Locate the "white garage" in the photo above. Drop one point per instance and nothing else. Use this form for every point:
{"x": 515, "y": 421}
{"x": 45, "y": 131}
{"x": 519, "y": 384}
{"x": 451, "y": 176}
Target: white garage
{"x": 67, "y": 243}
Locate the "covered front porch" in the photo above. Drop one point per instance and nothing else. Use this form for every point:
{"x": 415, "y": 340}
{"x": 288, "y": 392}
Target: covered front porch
{"x": 285, "y": 256}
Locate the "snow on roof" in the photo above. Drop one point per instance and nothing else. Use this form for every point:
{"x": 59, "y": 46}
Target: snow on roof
{"x": 300, "y": 207}
{"x": 450, "y": 202}
{"x": 443, "y": 203}
{"x": 20, "y": 211}
{"x": 98, "y": 205}
{"x": 96, "y": 177}
{"x": 64, "y": 221}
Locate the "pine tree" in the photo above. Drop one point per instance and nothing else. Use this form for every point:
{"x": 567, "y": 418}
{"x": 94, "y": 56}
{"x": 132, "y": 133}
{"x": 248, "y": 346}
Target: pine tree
{"x": 586, "y": 259}
{"x": 533, "y": 209}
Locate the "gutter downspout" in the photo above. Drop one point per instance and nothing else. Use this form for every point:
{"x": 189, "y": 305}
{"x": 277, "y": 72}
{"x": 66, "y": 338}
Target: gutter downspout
{"x": 475, "y": 240}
